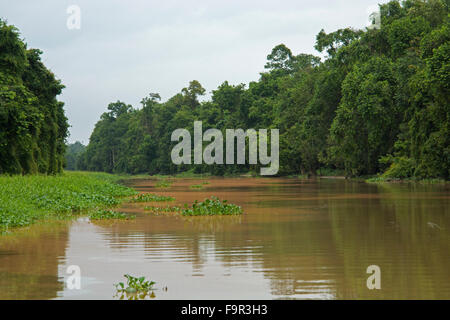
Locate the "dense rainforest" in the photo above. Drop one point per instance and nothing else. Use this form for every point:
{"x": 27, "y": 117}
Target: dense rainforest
{"x": 377, "y": 103}
{"x": 33, "y": 126}
{"x": 73, "y": 153}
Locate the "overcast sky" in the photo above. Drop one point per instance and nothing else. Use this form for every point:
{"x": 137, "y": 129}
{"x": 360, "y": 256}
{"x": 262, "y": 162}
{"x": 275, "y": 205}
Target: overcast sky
{"x": 128, "y": 48}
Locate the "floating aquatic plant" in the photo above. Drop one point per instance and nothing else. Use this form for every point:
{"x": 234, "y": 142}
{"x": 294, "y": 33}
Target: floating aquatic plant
{"x": 213, "y": 206}
{"x": 150, "y": 197}
{"x": 27, "y": 199}
{"x": 135, "y": 285}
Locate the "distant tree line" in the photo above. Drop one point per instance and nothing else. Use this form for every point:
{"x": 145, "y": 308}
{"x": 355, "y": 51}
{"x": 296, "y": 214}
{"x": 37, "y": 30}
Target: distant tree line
{"x": 379, "y": 102}
{"x": 33, "y": 127}
{"x": 73, "y": 153}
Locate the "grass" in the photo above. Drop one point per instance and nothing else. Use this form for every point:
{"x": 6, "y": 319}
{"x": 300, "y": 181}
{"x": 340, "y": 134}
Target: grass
{"x": 25, "y": 200}
{"x": 150, "y": 197}
{"x": 109, "y": 214}
{"x": 213, "y": 206}
{"x": 185, "y": 174}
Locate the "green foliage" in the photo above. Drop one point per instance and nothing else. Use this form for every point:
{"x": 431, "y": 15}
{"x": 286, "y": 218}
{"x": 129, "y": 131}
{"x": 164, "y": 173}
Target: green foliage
{"x": 135, "y": 285}
{"x": 210, "y": 207}
{"x": 33, "y": 124}
{"x": 378, "y": 92}
{"x": 150, "y": 197}
{"x": 73, "y": 156}
{"x": 109, "y": 214}
{"x": 366, "y": 122}
{"x": 401, "y": 167}
{"x": 334, "y": 41}
{"x": 27, "y": 199}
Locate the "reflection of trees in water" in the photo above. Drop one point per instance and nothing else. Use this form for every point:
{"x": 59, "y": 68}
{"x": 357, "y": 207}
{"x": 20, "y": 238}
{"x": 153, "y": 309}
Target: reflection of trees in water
{"x": 315, "y": 240}
{"x": 299, "y": 256}
{"x": 392, "y": 232}
{"x": 187, "y": 239}
{"x": 328, "y": 253}
{"x": 29, "y": 262}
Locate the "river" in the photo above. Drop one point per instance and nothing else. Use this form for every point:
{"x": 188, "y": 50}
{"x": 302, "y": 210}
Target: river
{"x": 297, "y": 239}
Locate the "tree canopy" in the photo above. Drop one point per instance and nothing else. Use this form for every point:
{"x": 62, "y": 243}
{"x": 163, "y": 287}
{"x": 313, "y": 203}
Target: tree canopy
{"x": 33, "y": 126}
{"x": 378, "y": 102}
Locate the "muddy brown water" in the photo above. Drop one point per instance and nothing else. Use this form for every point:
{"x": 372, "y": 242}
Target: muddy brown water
{"x": 297, "y": 239}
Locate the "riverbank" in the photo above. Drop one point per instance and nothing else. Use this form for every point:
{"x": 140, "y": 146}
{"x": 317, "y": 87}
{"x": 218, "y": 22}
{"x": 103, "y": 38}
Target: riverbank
{"x": 328, "y": 174}
{"x": 25, "y": 200}
{"x": 381, "y": 179}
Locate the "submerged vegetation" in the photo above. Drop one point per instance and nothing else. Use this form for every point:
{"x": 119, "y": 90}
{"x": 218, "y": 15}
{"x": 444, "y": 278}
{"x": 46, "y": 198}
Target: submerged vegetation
{"x": 150, "y": 197}
{"x": 209, "y": 207}
{"x": 27, "y": 199}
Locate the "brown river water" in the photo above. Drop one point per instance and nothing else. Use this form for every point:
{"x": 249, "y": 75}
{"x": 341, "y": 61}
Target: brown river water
{"x": 297, "y": 239}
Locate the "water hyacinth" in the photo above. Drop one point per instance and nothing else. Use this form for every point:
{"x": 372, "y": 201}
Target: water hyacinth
{"x": 27, "y": 199}
{"x": 135, "y": 285}
{"x": 150, "y": 197}
{"x": 213, "y": 206}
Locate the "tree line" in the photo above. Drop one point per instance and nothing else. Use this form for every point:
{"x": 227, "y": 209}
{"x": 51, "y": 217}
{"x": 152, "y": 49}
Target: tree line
{"x": 377, "y": 103}
{"x": 33, "y": 126}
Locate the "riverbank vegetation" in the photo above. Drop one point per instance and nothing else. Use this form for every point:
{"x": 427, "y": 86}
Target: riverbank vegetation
{"x": 33, "y": 126}
{"x": 27, "y": 199}
{"x": 377, "y": 103}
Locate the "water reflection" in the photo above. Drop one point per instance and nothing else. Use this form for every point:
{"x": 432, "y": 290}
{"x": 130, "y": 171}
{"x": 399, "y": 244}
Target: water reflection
{"x": 298, "y": 239}
{"x": 29, "y": 262}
